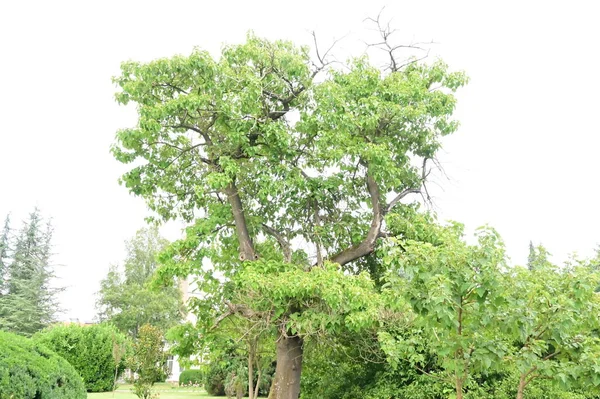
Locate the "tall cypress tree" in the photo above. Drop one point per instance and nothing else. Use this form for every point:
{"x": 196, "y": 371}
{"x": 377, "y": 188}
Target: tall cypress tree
{"x": 4, "y": 253}
{"x": 532, "y": 256}
{"x": 538, "y": 257}
{"x": 29, "y": 302}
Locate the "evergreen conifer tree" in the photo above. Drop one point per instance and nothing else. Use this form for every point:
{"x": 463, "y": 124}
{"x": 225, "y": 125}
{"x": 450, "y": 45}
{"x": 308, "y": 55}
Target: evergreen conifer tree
{"x": 28, "y": 301}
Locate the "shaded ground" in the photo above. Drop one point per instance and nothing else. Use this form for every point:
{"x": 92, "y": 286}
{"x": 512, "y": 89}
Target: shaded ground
{"x": 167, "y": 391}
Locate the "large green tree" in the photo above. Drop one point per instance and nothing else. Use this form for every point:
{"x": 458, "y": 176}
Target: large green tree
{"x": 285, "y": 167}
{"x": 127, "y": 301}
{"x": 28, "y": 299}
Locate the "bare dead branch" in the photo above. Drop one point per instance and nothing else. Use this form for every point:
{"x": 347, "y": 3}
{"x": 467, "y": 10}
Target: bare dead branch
{"x": 385, "y": 32}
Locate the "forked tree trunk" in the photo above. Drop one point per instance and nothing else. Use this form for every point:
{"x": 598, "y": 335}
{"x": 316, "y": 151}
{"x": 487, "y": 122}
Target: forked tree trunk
{"x": 286, "y": 382}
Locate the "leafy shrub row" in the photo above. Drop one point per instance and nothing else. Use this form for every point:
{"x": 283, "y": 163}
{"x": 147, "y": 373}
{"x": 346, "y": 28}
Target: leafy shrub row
{"x": 89, "y": 349}
{"x": 29, "y": 370}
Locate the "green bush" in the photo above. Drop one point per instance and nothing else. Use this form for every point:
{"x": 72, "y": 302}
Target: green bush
{"x": 214, "y": 379}
{"x": 190, "y": 377}
{"x": 89, "y": 349}
{"x": 29, "y": 370}
{"x": 148, "y": 360}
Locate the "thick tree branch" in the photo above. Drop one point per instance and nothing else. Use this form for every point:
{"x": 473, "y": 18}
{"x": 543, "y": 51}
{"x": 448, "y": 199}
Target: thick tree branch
{"x": 171, "y": 86}
{"x": 283, "y": 243}
{"x": 368, "y": 244}
{"x": 241, "y": 227}
{"x": 233, "y": 309}
{"x": 551, "y": 355}
{"x": 193, "y": 128}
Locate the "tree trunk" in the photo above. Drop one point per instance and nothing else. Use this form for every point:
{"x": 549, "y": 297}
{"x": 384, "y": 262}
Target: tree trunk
{"x": 459, "y": 388}
{"x": 522, "y": 384}
{"x": 286, "y": 382}
{"x": 258, "y": 377}
{"x": 250, "y": 371}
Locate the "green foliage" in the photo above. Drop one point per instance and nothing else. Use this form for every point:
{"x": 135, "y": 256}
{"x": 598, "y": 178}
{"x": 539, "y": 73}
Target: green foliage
{"x": 466, "y": 316}
{"x": 127, "y": 301}
{"x": 148, "y": 360}
{"x": 236, "y": 382}
{"x": 28, "y": 299}
{"x": 338, "y": 301}
{"x": 190, "y": 377}
{"x": 554, "y": 324}
{"x": 29, "y": 370}
{"x": 351, "y": 368}
{"x": 185, "y": 341}
{"x": 451, "y": 292}
{"x": 214, "y": 379}
{"x": 89, "y": 349}
{"x": 258, "y": 153}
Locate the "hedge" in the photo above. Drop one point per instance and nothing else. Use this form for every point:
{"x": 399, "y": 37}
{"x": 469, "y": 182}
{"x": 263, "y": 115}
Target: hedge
{"x": 190, "y": 377}
{"x": 89, "y": 349}
{"x": 29, "y": 370}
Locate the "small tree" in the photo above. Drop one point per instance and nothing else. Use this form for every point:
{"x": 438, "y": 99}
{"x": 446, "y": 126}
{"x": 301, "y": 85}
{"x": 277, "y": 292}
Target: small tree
{"x": 119, "y": 348}
{"x": 449, "y": 292}
{"x": 125, "y": 298}
{"x": 553, "y": 324}
{"x": 148, "y": 360}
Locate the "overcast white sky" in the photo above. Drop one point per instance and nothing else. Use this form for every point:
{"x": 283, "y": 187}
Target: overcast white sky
{"x": 524, "y": 159}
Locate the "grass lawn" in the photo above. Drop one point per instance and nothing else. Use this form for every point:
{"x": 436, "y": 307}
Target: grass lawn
{"x": 167, "y": 391}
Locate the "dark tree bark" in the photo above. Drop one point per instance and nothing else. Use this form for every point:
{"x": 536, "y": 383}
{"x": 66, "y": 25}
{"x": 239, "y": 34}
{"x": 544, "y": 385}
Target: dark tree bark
{"x": 286, "y": 383}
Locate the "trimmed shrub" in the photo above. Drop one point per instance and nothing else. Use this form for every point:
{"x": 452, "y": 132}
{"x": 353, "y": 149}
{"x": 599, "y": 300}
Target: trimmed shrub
{"x": 190, "y": 377}
{"x": 29, "y": 370}
{"x": 89, "y": 349}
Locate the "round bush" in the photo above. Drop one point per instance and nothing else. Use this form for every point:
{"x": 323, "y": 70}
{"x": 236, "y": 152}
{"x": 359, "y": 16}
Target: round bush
{"x": 89, "y": 349}
{"x": 190, "y": 377}
{"x": 29, "y": 370}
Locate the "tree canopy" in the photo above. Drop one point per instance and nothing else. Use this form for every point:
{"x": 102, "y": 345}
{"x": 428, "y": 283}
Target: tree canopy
{"x": 284, "y": 166}
{"x": 127, "y": 301}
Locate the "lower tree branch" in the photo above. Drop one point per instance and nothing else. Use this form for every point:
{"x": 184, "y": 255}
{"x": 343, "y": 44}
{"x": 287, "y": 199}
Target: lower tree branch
{"x": 283, "y": 243}
{"x": 368, "y": 244}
